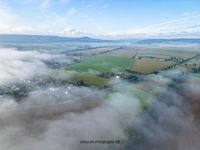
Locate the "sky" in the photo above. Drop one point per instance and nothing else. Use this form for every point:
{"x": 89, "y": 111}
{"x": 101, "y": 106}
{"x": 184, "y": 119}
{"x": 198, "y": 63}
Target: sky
{"x": 102, "y": 18}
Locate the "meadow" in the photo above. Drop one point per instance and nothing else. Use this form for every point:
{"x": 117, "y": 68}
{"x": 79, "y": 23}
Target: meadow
{"x": 100, "y": 64}
{"x": 146, "y": 66}
{"x": 88, "y": 79}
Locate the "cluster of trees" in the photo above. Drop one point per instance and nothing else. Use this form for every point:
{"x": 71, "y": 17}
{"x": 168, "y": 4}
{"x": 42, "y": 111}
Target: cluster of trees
{"x": 173, "y": 57}
{"x": 81, "y": 83}
{"x": 194, "y": 67}
{"x": 196, "y": 70}
{"x": 107, "y": 75}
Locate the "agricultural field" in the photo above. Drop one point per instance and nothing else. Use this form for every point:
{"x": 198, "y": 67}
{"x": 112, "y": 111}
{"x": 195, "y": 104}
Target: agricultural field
{"x": 124, "y": 52}
{"x": 93, "y": 51}
{"x": 136, "y": 59}
{"x": 170, "y": 48}
{"x": 197, "y": 76}
{"x": 100, "y": 64}
{"x": 87, "y": 71}
{"x": 168, "y": 52}
{"x": 165, "y": 55}
{"x": 88, "y": 80}
{"x": 146, "y": 66}
{"x": 192, "y": 64}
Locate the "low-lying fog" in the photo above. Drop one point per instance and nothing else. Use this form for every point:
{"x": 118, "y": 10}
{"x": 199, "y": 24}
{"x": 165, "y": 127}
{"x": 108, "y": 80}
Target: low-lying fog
{"x": 52, "y": 115}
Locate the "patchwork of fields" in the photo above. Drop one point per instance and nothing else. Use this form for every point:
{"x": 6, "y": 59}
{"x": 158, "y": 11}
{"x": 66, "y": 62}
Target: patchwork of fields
{"x": 153, "y": 52}
{"x": 135, "y": 59}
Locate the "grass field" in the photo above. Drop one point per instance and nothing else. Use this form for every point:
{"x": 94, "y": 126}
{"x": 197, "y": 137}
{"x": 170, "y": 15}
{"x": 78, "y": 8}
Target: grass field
{"x": 101, "y": 64}
{"x": 76, "y": 78}
{"x": 149, "y": 66}
{"x": 89, "y": 79}
{"x": 191, "y": 64}
{"x": 197, "y": 76}
{"x": 168, "y": 48}
{"x": 143, "y": 96}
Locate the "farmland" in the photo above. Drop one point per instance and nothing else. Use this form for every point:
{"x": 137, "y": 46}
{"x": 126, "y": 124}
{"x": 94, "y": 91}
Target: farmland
{"x": 101, "y": 64}
{"x": 150, "y": 66}
{"x": 192, "y": 64}
{"x": 197, "y": 76}
{"x": 168, "y": 52}
{"x": 124, "y": 52}
{"x": 93, "y": 51}
{"x": 86, "y": 72}
{"x": 88, "y": 80}
{"x": 110, "y": 61}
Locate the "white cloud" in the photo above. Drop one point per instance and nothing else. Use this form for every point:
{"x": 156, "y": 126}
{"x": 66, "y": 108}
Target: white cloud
{"x": 74, "y": 33}
{"x": 187, "y": 26}
{"x": 106, "y": 5}
{"x": 10, "y": 22}
{"x": 52, "y": 23}
{"x": 71, "y": 12}
{"x": 6, "y": 14}
{"x": 173, "y": 22}
{"x": 16, "y": 65}
{"x": 186, "y": 14}
{"x": 44, "y": 4}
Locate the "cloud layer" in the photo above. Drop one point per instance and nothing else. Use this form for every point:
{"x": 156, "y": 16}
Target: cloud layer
{"x": 57, "y": 116}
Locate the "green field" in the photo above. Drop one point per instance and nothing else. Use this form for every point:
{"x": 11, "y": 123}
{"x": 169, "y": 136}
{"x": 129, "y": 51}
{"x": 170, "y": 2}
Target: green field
{"x": 77, "y": 78}
{"x": 146, "y": 66}
{"x": 134, "y": 95}
{"x": 197, "y": 76}
{"x": 89, "y": 79}
{"x": 101, "y": 64}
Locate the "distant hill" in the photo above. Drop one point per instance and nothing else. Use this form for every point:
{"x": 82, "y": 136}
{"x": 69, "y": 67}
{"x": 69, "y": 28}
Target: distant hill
{"x": 168, "y": 41}
{"x": 19, "y": 38}
{"x": 46, "y": 39}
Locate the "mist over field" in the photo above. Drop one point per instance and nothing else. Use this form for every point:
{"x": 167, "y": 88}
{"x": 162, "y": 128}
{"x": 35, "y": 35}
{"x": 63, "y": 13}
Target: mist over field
{"x": 39, "y": 110}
